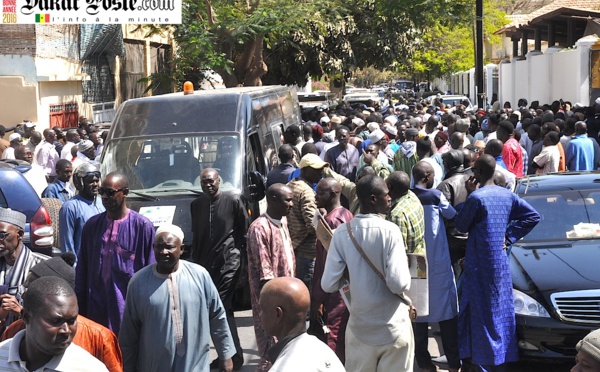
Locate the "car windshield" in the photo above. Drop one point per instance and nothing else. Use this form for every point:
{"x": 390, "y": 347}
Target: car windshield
{"x": 312, "y": 98}
{"x": 169, "y": 165}
{"x": 404, "y": 85}
{"x": 455, "y": 101}
{"x": 567, "y": 214}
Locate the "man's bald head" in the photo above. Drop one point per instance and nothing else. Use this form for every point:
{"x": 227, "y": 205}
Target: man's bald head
{"x": 286, "y": 153}
{"x": 118, "y": 178}
{"x": 284, "y": 303}
{"x": 457, "y": 140}
{"x": 36, "y": 138}
{"x": 367, "y": 170}
{"x": 485, "y": 167}
{"x": 279, "y": 200}
{"x": 328, "y": 195}
{"x": 421, "y": 170}
{"x": 398, "y": 183}
{"x": 494, "y": 147}
{"x": 208, "y": 171}
{"x": 499, "y": 179}
{"x": 210, "y": 182}
{"x": 330, "y": 183}
{"x": 24, "y": 153}
{"x": 276, "y": 190}
{"x": 580, "y": 127}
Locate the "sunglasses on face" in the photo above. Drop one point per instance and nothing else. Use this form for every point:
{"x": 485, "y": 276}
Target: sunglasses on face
{"x": 109, "y": 192}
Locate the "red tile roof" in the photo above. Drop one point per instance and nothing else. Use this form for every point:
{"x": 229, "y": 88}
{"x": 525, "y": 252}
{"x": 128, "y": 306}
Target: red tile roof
{"x": 524, "y": 19}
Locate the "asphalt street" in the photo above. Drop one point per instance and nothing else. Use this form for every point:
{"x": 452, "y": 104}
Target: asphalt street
{"x": 246, "y": 333}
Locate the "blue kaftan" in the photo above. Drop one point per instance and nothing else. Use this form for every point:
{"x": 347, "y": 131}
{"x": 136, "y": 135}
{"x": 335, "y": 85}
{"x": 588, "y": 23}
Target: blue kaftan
{"x": 443, "y": 304}
{"x": 486, "y": 325}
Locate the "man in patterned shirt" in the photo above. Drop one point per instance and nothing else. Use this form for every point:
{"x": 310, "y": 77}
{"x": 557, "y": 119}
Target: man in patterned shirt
{"x": 270, "y": 255}
{"x": 406, "y": 212}
{"x": 304, "y": 236}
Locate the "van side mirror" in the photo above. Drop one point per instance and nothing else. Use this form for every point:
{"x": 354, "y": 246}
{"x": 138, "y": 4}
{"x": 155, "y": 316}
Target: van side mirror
{"x": 256, "y": 186}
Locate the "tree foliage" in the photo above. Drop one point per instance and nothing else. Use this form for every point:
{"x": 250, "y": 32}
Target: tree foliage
{"x": 448, "y": 48}
{"x": 369, "y": 76}
{"x": 285, "y": 41}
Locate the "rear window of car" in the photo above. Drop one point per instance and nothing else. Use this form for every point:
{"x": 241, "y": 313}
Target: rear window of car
{"x": 564, "y": 213}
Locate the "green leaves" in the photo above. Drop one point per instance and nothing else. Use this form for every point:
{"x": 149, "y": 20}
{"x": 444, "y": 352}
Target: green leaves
{"x": 295, "y": 39}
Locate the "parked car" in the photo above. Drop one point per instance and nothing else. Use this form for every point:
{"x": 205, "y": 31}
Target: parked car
{"x": 556, "y": 280}
{"x": 362, "y": 97}
{"x": 316, "y": 100}
{"x": 455, "y": 100}
{"x": 17, "y": 194}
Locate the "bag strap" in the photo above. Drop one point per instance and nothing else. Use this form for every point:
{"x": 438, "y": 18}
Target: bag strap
{"x": 403, "y": 298}
{"x": 362, "y": 253}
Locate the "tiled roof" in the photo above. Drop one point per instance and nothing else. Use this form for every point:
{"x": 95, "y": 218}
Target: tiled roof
{"x": 523, "y": 19}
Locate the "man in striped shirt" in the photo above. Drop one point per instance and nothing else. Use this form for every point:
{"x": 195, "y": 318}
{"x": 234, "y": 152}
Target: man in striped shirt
{"x": 16, "y": 261}
{"x": 302, "y": 232}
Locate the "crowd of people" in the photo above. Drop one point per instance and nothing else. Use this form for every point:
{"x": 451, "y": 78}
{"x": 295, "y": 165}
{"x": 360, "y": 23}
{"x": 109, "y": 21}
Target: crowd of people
{"x": 44, "y": 151}
{"x": 416, "y": 177}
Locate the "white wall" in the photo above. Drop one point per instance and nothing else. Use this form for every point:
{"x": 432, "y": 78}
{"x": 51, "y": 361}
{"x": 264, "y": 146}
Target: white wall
{"x": 547, "y": 77}
{"x": 539, "y": 77}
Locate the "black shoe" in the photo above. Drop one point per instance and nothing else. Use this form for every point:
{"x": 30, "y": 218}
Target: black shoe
{"x": 238, "y": 362}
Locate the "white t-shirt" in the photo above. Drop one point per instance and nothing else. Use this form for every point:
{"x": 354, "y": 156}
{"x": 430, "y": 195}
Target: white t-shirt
{"x": 548, "y": 160}
{"x": 307, "y": 353}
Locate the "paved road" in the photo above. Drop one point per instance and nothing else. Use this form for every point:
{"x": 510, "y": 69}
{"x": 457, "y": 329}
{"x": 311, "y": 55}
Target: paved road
{"x": 246, "y": 332}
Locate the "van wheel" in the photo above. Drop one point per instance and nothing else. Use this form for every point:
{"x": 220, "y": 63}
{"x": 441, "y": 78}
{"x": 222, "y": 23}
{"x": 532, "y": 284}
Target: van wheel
{"x": 53, "y": 205}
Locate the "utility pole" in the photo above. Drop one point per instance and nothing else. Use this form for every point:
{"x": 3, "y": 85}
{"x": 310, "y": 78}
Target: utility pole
{"x": 479, "y": 52}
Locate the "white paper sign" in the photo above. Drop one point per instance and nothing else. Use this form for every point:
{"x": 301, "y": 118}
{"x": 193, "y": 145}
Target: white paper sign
{"x": 419, "y": 284}
{"x": 159, "y": 215}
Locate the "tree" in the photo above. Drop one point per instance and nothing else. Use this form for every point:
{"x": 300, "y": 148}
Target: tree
{"x": 370, "y": 76}
{"x": 285, "y": 41}
{"x": 449, "y": 48}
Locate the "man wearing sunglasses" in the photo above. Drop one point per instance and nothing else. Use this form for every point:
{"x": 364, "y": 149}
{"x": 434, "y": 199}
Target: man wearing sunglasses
{"x": 115, "y": 245}
{"x": 15, "y": 262}
{"x": 75, "y": 212}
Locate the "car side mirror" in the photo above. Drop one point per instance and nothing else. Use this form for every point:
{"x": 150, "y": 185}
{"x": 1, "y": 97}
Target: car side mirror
{"x": 256, "y": 186}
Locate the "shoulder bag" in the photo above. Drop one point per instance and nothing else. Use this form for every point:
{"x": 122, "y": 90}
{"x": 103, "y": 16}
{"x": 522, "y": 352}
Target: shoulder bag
{"x": 412, "y": 311}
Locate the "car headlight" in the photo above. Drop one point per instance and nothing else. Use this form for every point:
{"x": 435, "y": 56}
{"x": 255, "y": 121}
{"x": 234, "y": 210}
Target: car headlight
{"x": 525, "y": 305}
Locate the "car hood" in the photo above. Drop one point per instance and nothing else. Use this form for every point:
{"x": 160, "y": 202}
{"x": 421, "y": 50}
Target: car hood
{"x": 557, "y": 266}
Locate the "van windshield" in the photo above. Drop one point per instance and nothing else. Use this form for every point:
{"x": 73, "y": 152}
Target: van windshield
{"x": 169, "y": 165}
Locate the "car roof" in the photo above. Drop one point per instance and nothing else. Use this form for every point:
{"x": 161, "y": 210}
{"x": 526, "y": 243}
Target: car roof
{"x": 454, "y": 96}
{"x": 559, "y": 181}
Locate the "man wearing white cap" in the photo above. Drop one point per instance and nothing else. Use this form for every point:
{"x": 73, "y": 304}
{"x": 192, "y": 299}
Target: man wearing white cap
{"x": 176, "y": 302}
{"x": 302, "y": 232}
{"x": 15, "y": 141}
{"x": 85, "y": 153}
{"x": 588, "y": 353}
{"x": 16, "y": 259}
{"x": 28, "y": 129}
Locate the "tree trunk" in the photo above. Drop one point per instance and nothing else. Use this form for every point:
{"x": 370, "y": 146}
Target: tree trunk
{"x": 258, "y": 67}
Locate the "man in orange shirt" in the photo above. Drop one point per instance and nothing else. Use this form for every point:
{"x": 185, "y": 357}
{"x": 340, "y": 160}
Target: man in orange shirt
{"x": 96, "y": 339}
